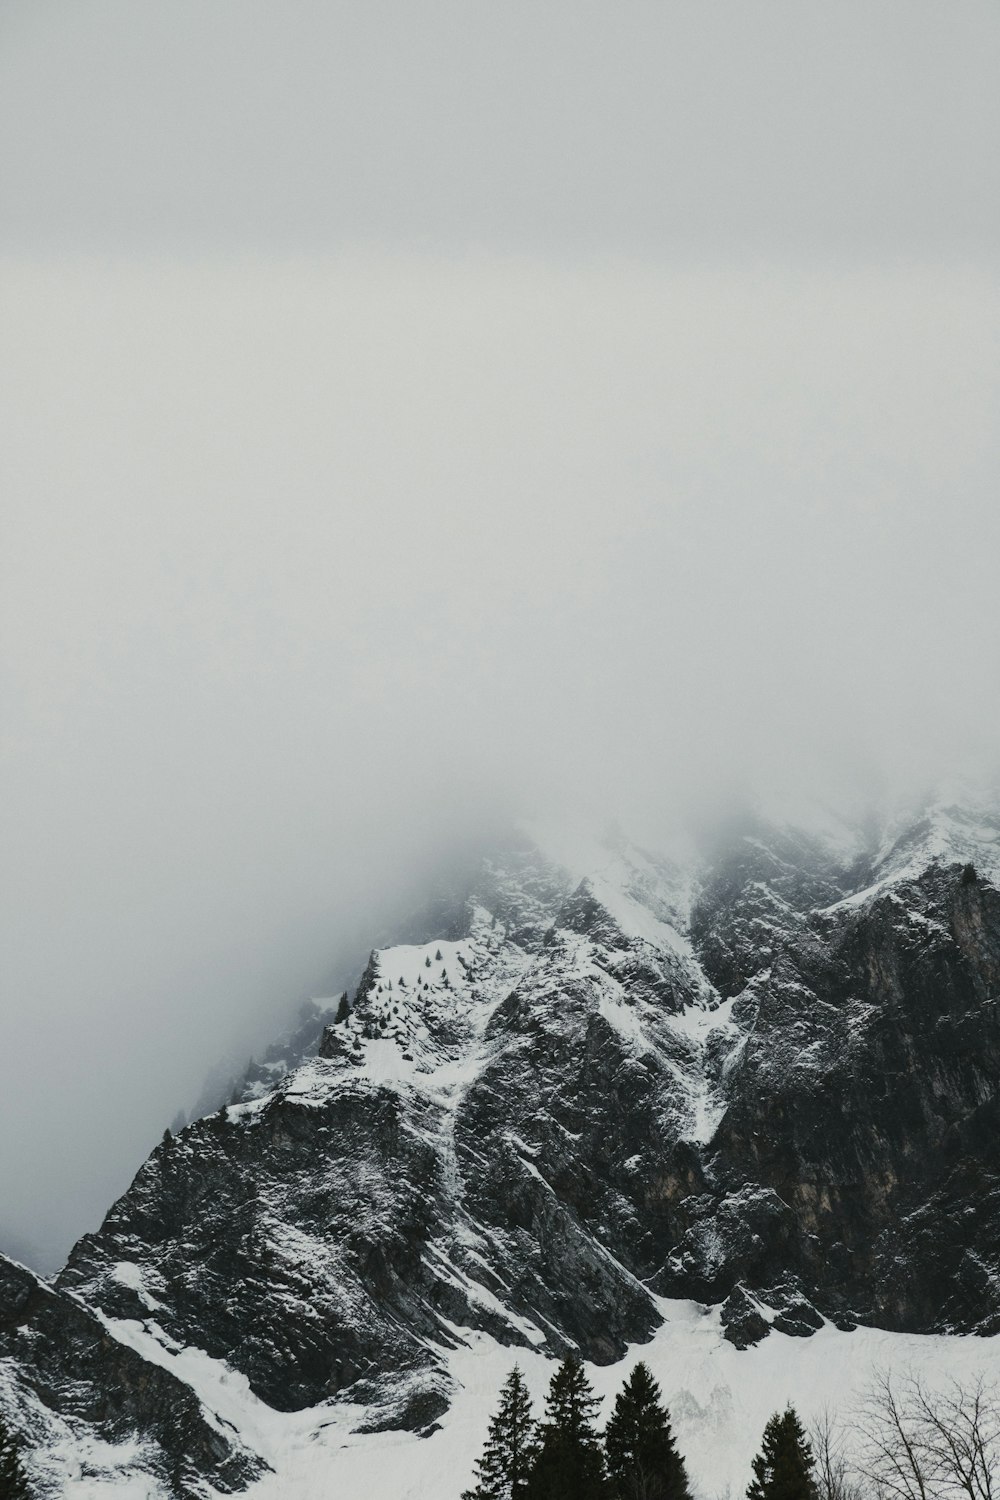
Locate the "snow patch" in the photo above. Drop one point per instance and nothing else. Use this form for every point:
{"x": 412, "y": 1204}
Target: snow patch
{"x": 636, "y": 920}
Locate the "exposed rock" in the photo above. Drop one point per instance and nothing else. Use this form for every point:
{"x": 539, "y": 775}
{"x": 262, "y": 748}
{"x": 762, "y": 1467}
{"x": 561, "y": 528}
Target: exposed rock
{"x": 69, "y": 1363}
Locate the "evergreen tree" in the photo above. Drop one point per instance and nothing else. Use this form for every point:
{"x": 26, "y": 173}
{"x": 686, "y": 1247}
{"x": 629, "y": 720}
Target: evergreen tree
{"x": 783, "y": 1468}
{"x": 642, "y": 1457}
{"x": 13, "y": 1481}
{"x": 569, "y": 1464}
{"x": 502, "y": 1472}
{"x": 344, "y": 1010}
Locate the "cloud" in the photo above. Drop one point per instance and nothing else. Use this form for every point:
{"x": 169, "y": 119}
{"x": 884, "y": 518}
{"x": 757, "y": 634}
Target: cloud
{"x": 551, "y": 126}
{"x": 309, "y": 567}
{"x": 418, "y": 510}
{"x": 413, "y": 414}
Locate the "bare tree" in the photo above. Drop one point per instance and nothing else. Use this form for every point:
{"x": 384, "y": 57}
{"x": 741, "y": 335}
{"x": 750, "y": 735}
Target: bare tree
{"x": 835, "y": 1478}
{"x": 962, "y": 1424}
{"x": 889, "y": 1456}
{"x": 922, "y": 1442}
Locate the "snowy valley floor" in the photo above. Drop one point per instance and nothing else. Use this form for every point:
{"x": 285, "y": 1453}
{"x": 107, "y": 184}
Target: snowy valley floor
{"x": 719, "y": 1399}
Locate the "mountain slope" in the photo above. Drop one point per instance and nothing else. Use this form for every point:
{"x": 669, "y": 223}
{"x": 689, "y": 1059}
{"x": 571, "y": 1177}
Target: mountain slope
{"x": 93, "y": 1408}
{"x": 765, "y": 1081}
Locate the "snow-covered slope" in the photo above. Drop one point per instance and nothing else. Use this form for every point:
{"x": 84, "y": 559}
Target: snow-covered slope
{"x": 719, "y": 1399}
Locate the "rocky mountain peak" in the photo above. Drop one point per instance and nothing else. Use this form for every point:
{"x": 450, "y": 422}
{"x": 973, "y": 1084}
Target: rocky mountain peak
{"x": 751, "y": 1082}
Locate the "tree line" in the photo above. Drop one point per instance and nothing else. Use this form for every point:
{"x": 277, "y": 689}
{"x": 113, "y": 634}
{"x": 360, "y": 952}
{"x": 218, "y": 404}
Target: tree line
{"x": 904, "y": 1440}
{"x": 564, "y": 1457}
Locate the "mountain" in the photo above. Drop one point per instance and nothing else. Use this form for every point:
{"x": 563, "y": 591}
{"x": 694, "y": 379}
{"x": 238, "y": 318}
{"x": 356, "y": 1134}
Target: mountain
{"x": 604, "y": 1099}
{"x": 229, "y": 1081}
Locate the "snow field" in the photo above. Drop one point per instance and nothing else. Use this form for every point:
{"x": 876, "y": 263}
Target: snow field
{"x": 719, "y": 1399}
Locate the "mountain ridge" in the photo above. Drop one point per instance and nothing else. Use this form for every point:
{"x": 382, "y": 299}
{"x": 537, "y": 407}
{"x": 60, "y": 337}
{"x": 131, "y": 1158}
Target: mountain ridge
{"x": 760, "y": 1085}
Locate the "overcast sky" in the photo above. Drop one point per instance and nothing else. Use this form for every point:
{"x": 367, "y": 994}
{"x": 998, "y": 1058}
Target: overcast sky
{"x": 410, "y": 410}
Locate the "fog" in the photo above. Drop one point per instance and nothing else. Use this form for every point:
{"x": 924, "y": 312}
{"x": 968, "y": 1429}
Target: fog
{"x": 765, "y": 125}
{"x": 417, "y": 416}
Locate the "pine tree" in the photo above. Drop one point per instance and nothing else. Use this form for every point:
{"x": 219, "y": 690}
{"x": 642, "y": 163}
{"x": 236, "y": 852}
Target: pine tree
{"x": 502, "y": 1472}
{"x": 783, "y": 1468}
{"x": 642, "y": 1457}
{"x": 343, "y": 1010}
{"x": 569, "y": 1464}
{"x": 13, "y": 1481}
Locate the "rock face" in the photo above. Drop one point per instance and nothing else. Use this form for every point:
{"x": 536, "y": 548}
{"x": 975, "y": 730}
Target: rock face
{"x": 68, "y": 1375}
{"x": 767, "y": 1078}
{"x": 865, "y": 1099}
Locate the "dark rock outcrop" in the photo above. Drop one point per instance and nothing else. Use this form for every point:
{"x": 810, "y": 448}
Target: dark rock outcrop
{"x": 70, "y": 1364}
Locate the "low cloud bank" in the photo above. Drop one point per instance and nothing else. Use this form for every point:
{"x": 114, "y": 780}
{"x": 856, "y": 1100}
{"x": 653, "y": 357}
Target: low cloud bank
{"x": 314, "y": 570}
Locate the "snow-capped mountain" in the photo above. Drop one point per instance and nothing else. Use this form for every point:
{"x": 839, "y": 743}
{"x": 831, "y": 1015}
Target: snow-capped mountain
{"x": 737, "y": 1102}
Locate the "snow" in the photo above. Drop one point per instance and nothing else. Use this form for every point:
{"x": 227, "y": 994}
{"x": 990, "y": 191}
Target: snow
{"x": 698, "y": 1021}
{"x": 624, "y": 880}
{"x": 70, "y": 1461}
{"x": 697, "y": 1024}
{"x": 636, "y": 920}
{"x": 706, "y": 1114}
{"x": 406, "y": 964}
{"x": 945, "y": 835}
{"x": 129, "y": 1274}
{"x": 476, "y": 1292}
{"x": 719, "y": 1399}
{"x": 621, "y": 1016}
{"x": 416, "y": 987}
{"x": 385, "y": 1063}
